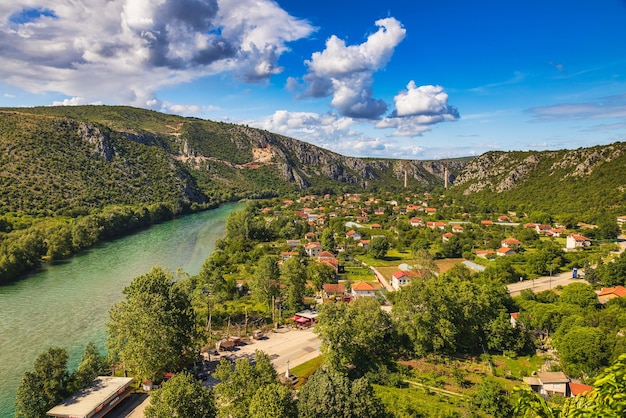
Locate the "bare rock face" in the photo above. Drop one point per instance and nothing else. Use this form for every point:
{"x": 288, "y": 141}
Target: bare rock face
{"x": 102, "y": 145}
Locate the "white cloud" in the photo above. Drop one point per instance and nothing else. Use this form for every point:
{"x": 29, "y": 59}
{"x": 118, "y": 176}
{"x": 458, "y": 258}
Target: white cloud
{"x": 308, "y": 126}
{"x": 346, "y": 72}
{"x": 417, "y": 109}
{"x": 125, "y": 50}
{"x": 74, "y": 101}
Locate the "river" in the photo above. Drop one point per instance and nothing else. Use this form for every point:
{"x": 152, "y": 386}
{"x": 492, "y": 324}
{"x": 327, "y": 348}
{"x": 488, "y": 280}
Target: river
{"x": 66, "y": 304}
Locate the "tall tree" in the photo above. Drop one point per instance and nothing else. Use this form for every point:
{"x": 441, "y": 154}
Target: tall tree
{"x": 379, "y": 247}
{"x": 293, "y": 276}
{"x": 328, "y": 240}
{"x": 265, "y": 280}
{"x": 45, "y": 386}
{"x": 273, "y": 401}
{"x": 153, "y": 329}
{"x": 240, "y": 383}
{"x": 358, "y": 334}
{"x": 329, "y": 394}
{"x": 92, "y": 365}
{"x": 182, "y": 396}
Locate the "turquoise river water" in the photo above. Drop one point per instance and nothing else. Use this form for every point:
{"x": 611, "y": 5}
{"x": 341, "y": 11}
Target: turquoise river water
{"x": 66, "y": 305}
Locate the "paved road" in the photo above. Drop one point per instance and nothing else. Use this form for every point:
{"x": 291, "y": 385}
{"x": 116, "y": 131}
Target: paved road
{"x": 295, "y": 345}
{"x": 543, "y": 283}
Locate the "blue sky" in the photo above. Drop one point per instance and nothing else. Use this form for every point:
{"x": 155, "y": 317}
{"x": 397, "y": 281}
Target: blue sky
{"x": 399, "y": 79}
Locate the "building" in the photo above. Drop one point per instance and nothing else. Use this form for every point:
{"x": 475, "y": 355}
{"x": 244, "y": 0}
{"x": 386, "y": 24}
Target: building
{"x": 575, "y": 241}
{"x": 104, "y": 394}
{"x": 363, "y": 289}
{"x": 549, "y": 383}
{"x": 608, "y": 293}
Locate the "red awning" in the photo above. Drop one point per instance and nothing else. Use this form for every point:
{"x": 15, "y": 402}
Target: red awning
{"x": 302, "y": 320}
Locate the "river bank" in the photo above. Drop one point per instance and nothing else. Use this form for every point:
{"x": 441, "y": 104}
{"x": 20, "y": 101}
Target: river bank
{"x": 67, "y": 304}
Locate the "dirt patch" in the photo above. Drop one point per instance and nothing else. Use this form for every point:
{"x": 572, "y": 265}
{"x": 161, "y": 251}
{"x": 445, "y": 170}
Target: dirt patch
{"x": 447, "y": 263}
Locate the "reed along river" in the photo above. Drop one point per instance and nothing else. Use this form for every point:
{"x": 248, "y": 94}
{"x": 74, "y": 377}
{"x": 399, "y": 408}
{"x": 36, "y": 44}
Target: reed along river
{"x": 66, "y": 304}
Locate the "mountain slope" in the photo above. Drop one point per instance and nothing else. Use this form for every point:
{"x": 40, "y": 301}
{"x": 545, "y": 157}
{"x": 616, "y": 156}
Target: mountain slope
{"x": 68, "y": 160}
{"x": 584, "y": 182}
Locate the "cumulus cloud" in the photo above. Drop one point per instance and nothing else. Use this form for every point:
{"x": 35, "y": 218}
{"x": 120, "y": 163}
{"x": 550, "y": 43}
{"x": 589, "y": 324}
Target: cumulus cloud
{"x": 320, "y": 130}
{"x": 417, "y": 108}
{"x": 346, "y": 72}
{"x": 125, "y": 50}
{"x": 74, "y": 101}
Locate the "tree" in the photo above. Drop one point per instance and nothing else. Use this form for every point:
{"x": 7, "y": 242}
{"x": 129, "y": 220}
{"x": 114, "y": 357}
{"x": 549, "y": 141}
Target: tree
{"x": 379, "y": 247}
{"x": 45, "y": 386}
{"x": 240, "y": 383}
{"x": 329, "y": 394}
{"x": 92, "y": 365}
{"x": 273, "y": 401}
{"x": 489, "y": 397}
{"x": 293, "y": 276}
{"x": 446, "y": 314}
{"x": 265, "y": 280}
{"x": 583, "y": 351}
{"x": 320, "y": 274}
{"x": 153, "y": 329}
{"x": 357, "y": 334}
{"x": 328, "y": 240}
{"x": 181, "y": 396}
{"x": 579, "y": 294}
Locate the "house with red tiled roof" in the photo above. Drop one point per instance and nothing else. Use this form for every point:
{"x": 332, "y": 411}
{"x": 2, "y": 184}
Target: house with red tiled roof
{"x": 416, "y": 222}
{"x": 513, "y": 320}
{"x": 365, "y": 243}
{"x": 502, "y": 251}
{"x": 578, "y": 389}
{"x": 542, "y": 228}
{"x": 402, "y": 278}
{"x": 504, "y": 218}
{"x": 354, "y": 235}
{"x": 446, "y": 237}
{"x": 457, "y": 229}
{"x": 430, "y": 211}
{"x": 288, "y": 254}
{"x": 511, "y": 243}
{"x": 313, "y": 249}
{"x": 486, "y": 222}
{"x": 607, "y": 293}
{"x": 556, "y": 232}
{"x": 574, "y": 241}
{"x": 376, "y": 226}
{"x": 485, "y": 253}
{"x": 438, "y": 224}
{"x": 332, "y": 290}
{"x": 363, "y": 289}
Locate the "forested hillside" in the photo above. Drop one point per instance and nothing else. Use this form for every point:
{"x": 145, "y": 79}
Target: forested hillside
{"x": 71, "y": 176}
{"x": 586, "y": 183}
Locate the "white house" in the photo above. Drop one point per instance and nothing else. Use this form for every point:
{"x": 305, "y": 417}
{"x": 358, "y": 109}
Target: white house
{"x": 574, "y": 241}
{"x": 363, "y": 289}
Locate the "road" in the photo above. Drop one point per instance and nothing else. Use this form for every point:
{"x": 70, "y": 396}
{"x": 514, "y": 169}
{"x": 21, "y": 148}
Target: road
{"x": 543, "y": 283}
{"x": 287, "y": 344}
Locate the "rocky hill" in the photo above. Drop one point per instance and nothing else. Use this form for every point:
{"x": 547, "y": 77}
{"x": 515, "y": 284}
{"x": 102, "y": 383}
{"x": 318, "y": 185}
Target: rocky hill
{"x": 585, "y": 181}
{"x": 67, "y": 160}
